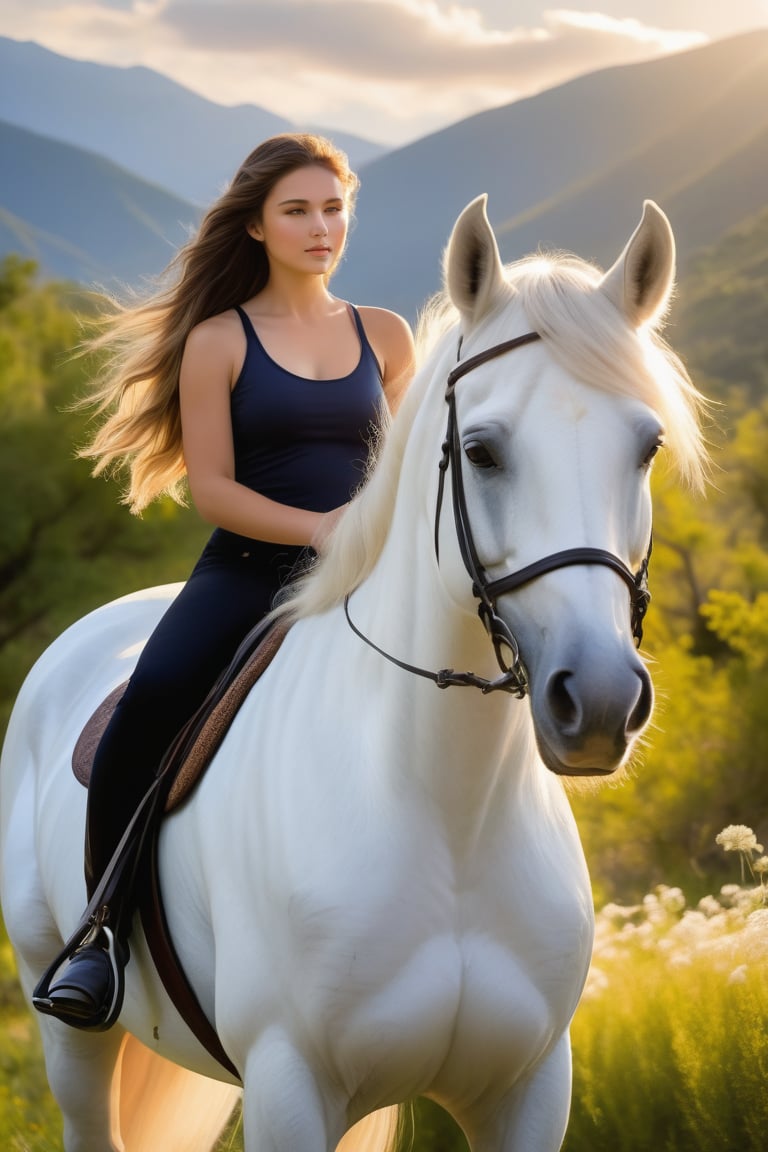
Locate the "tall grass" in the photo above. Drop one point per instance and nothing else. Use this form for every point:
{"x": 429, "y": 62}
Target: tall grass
{"x": 670, "y": 1041}
{"x": 29, "y": 1118}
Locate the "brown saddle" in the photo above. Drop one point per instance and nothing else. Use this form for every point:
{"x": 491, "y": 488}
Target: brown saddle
{"x": 210, "y": 723}
{"x": 182, "y": 768}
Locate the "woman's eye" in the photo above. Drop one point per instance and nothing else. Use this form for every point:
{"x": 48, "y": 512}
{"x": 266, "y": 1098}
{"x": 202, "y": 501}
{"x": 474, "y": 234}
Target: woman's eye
{"x": 478, "y": 455}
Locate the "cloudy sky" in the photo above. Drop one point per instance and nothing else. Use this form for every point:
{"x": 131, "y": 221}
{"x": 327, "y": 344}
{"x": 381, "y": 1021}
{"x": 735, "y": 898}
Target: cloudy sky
{"x": 391, "y": 70}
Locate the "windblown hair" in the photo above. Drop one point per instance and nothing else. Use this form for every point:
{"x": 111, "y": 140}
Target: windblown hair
{"x": 136, "y": 394}
{"x": 584, "y": 331}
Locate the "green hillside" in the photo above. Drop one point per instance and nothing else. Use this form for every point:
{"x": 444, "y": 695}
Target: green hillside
{"x": 700, "y": 150}
{"x": 721, "y": 318}
{"x": 81, "y": 217}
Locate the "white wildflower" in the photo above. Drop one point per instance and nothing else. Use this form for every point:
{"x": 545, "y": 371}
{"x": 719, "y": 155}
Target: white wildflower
{"x": 646, "y": 936}
{"x": 691, "y": 928}
{"x": 748, "y": 899}
{"x": 680, "y": 959}
{"x": 739, "y": 975}
{"x": 738, "y": 838}
{"x": 761, "y": 865}
{"x": 710, "y": 906}
{"x": 757, "y": 922}
{"x": 672, "y": 899}
{"x": 655, "y": 912}
{"x": 619, "y": 913}
{"x": 597, "y": 983}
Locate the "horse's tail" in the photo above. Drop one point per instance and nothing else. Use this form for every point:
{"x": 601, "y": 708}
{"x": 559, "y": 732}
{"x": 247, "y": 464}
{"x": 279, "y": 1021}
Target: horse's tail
{"x": 156, "y": 1104}
{"x": 377, "y": 1132}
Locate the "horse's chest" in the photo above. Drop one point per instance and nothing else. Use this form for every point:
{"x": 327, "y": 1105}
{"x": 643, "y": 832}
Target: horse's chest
{"x": 445, "y": 1012}
{"x": 402, "y": 971}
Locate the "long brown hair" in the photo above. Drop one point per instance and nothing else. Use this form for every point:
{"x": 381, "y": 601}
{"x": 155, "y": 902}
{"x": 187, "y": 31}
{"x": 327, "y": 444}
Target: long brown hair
{"x": 137, "y": 391}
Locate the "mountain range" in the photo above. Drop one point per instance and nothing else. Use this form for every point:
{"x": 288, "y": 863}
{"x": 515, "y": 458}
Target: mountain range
{"x": 570, "y": 168}
{"x": 567, "y": 168}
{"x": 159, "y": 130}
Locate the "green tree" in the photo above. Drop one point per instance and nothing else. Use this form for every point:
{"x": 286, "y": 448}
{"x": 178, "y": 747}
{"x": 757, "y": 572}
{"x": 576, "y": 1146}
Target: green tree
{"x": 66, "y": 542}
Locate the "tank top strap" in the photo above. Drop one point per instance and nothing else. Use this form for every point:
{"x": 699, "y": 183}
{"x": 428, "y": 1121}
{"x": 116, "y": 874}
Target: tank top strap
{"x": 245, "y": 320}
{"x": 252, "y": 338}
{"x": 364, "y": 341}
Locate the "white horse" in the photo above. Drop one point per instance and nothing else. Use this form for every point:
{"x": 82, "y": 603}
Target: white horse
{"x": 378, "y": 889}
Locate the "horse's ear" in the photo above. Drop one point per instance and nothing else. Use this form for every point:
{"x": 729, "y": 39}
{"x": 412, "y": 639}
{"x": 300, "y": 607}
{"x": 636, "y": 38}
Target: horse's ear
{"x": 472, "y": 265}
{"x": 640, "y": 282}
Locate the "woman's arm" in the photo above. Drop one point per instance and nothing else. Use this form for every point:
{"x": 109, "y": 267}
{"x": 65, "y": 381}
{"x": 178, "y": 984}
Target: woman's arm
{"x": 212, "y": 357}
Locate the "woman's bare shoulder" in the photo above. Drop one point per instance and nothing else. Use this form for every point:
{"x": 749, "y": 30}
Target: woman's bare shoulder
{"x": 224, "y": 326}
{"x": 218, "y": 341}
{"x": 222, "y": 322}
{"x": 385, "y": 322}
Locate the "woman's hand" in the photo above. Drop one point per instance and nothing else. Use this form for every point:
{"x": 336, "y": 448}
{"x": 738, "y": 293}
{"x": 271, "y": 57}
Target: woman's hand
{"x": 324, "y": 530}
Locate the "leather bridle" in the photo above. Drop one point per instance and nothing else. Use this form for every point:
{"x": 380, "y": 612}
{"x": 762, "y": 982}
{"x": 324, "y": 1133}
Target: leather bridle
{"x": 513, "y": 677}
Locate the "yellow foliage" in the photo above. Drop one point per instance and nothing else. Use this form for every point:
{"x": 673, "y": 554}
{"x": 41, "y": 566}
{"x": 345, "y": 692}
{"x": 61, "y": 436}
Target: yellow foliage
{"x": 741, "y": 624}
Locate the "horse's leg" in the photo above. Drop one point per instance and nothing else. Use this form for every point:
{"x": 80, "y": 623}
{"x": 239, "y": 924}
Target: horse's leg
{"x": 80, "y": 1066}
{"x": 115, "y": 1095}
{"x": 534, "y": 1116}
{"x": 283, "y": 1107}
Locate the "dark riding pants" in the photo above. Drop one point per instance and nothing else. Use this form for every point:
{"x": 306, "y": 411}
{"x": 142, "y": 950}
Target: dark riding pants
{"x": 230, "y": 590}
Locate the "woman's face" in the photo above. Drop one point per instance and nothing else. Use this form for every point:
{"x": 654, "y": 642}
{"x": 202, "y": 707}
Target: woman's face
{"x": 303, "y": 224}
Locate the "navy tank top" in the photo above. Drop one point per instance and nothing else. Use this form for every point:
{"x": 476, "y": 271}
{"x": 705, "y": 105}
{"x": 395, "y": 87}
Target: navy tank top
{"x": 298, "y": 441}
{"x": 303, "y": 442}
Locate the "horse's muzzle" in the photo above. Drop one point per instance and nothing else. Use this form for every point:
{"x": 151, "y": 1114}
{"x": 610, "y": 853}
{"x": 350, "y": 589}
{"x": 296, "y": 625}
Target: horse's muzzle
{"x": 587, "y": 723}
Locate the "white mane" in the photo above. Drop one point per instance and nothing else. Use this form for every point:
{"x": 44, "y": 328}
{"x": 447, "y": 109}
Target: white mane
{"x": 584, "y": 331}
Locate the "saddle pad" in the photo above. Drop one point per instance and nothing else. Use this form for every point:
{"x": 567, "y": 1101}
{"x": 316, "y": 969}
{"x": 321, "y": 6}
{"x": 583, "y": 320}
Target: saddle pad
{"x": 88, "y": 740}
{"x": 221, "y": 708}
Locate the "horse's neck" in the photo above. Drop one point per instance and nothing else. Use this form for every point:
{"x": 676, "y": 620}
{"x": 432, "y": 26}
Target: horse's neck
{"x": 469, "y": 750}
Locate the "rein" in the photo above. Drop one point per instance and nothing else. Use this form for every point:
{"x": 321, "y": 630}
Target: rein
{"x": 513, "y": 678}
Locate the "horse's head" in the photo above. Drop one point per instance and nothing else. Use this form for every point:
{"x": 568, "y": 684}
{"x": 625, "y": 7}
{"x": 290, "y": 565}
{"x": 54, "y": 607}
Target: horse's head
{"x": 552, "y": 450}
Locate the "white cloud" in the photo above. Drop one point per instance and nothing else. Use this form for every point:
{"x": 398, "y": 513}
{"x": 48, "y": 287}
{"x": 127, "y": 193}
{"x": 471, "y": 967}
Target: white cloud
{"x": 393, "y": 69}
{"x": 406, "y": 66}
{"x": 412, "y": 41}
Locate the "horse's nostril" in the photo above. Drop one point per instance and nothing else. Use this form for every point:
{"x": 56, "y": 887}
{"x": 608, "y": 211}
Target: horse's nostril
{"x": 578, "y": 709}
{"x": 561, "y": 702}
{"x": 642, "y": 710}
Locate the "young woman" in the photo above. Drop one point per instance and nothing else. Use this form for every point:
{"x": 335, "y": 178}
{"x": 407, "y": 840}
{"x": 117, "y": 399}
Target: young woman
{"x": 249, "y": 378}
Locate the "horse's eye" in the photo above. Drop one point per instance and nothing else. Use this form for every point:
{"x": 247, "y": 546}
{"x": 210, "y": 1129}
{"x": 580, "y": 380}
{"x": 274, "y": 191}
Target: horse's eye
{"x": 647, "y": 461}
{"x": 478, "y": 455}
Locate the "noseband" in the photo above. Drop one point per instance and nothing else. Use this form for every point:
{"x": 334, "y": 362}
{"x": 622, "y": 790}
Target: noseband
{"x": 513, "y": 678}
